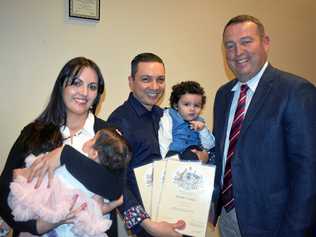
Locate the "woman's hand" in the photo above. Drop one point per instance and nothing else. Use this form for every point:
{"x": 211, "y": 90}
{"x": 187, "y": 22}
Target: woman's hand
{"x": 107, "y": 207}
{"x": 163, "y": 229}
{"x": 46, "y": 164}
{"x": 44, "y": 226}
{"x": 24, "y": 172}
{"x": 73, "y": 212}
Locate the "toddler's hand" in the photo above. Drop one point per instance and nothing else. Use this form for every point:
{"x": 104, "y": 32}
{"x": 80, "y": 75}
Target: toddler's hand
{"x": 197, "y": 125}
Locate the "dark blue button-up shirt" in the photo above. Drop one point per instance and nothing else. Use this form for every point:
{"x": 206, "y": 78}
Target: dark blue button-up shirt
{"x": 139, "y": 127}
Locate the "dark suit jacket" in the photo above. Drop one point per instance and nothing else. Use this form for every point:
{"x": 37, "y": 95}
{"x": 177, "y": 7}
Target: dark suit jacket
{"x": 274, "y": 166}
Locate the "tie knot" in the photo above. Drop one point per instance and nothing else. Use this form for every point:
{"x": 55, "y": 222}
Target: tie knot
{"x": 244, "y": 88}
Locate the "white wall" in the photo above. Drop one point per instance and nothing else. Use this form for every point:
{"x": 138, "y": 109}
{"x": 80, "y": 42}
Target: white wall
{"x": 37, "y": 38}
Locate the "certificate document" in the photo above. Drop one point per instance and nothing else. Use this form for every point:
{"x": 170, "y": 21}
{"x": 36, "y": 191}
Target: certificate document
{"x": 144, "y": 178}
{"x": 158, "y": 176}
{"x": 186, "y": 194}
{"x": 149, "y": 180}
{"x": 159, "y": 168}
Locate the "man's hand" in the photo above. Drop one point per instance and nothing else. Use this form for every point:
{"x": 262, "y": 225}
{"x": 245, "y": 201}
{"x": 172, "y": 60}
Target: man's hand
{"x": 46, "y": 164}
{"x": 163, "y": 229}
{"x": 202, "y": 155}
{"x": 212, "y": 227}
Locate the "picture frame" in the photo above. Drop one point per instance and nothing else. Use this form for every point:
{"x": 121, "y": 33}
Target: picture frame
{"x": 85, "y": 9}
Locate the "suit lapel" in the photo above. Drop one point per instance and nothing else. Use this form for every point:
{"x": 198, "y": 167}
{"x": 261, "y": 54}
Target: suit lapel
{"x": 258, "y": 99}
{"x": 227, "y": 101}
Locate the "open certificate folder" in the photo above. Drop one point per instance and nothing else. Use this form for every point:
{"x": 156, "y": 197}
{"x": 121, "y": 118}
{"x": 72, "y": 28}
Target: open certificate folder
{"x": 183, "y": 192}
{"x": 145, "y": 181}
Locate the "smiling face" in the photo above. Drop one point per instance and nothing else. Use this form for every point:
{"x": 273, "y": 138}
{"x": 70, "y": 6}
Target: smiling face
{"x": 80, "y": 95}
{"x": 148, "y": 84}
{"x": 189, "y": 106}
{"x": 246, "y": 51}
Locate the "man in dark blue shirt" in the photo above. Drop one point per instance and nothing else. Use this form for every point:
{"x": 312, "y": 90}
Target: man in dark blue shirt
{"x": 138, "y": 120}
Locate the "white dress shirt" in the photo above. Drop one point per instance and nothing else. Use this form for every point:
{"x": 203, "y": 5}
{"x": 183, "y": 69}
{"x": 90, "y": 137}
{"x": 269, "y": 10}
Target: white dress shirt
{"x": 252, "y": 84}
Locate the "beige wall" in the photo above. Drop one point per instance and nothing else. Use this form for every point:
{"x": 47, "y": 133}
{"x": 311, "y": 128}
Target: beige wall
{"x": 37, "y": 38}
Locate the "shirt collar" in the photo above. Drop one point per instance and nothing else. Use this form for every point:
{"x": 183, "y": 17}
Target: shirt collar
{"x": 140, "y": 108}
{"x": 176, "y": 116}
{"x": 88, "y": 127}
{"x": 179, "y": 119}
{"x": 253, "y": 82}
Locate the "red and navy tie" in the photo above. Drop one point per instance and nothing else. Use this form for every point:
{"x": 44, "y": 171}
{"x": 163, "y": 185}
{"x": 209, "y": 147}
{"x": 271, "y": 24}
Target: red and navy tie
{"x": 227, "y": 190}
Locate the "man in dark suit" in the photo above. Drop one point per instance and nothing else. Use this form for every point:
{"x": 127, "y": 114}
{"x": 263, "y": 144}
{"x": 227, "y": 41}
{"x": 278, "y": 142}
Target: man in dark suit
{"x": 265, "y": 130}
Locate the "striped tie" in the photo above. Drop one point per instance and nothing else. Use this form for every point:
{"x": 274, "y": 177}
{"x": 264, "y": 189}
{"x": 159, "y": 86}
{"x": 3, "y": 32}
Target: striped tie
{"x": 227, "y": 191}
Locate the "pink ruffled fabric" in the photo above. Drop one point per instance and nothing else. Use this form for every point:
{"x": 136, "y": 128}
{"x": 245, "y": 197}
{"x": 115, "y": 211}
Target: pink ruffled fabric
{"x": 53, "y": 204}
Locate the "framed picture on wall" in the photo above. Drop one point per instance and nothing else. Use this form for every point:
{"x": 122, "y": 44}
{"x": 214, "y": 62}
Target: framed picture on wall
{"x": 86, "y": 9}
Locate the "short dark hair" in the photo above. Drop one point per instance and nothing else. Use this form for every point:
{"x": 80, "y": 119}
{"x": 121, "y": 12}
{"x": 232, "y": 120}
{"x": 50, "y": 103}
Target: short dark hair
{"x": 143, "y": 57}
{"x": 245, "y": 18}
{"x": 186, "y": 87}
{"x": 113, "y": 150}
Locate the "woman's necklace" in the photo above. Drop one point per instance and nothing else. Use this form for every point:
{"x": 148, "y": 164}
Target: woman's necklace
{"x": 72, "y": 136}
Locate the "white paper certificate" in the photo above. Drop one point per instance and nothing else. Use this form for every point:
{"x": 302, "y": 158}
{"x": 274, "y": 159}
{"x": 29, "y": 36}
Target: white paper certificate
{"x": 144, "y": 178}
{"x": 150, "y": 187}
{"x": 186, "y": 195}
{"x": 158, "y": 176}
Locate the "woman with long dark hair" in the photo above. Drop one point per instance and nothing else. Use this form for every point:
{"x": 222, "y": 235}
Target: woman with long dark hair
{"x": 67, "y": 122}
